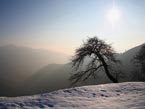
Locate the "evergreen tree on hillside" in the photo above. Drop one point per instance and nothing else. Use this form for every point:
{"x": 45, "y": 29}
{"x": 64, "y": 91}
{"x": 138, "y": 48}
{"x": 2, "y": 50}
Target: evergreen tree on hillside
{"x": 139, "y": 60}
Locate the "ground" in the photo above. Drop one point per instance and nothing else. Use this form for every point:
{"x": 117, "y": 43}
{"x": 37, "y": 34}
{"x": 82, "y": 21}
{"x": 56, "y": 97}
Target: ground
{"x": 129, "y": 95}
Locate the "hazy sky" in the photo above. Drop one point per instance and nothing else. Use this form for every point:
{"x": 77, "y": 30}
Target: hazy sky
{"x": 61, "y": 25}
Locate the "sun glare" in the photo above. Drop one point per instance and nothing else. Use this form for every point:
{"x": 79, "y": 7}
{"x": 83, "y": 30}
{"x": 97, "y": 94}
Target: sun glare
{"x": 113, "y": 15}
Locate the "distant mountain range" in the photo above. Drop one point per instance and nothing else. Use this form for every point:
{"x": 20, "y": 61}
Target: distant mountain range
{"x": 19, "y": 63}
{"x": 26, "y": 71}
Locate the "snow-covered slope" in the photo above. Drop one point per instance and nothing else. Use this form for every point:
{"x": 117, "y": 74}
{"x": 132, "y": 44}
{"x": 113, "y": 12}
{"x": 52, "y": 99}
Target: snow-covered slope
{"x": 109, "y": 96}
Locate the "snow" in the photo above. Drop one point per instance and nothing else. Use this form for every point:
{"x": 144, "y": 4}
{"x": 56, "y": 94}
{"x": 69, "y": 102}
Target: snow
{"x": 129, "y": 95}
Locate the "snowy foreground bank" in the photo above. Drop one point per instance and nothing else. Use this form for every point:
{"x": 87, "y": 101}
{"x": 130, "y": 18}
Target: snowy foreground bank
{"x": 109, "y": 96}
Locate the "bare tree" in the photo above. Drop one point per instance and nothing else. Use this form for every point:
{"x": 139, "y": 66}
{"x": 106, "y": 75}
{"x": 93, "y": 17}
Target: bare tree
{"x": 100, "y": 53}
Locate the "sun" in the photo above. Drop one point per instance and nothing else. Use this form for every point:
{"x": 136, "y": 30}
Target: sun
{"x": 113, "y": 15}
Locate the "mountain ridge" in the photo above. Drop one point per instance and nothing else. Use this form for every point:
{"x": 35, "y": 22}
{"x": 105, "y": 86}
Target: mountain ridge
{"x": 22, "y": 82}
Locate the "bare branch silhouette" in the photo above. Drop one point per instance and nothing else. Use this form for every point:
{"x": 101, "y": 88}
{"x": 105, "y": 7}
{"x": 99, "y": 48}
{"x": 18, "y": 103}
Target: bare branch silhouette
{"x": 100, "y": 54}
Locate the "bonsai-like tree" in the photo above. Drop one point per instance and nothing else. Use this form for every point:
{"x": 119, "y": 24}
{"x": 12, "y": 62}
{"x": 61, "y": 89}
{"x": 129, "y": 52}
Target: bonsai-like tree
{"x": 100, "y": 55}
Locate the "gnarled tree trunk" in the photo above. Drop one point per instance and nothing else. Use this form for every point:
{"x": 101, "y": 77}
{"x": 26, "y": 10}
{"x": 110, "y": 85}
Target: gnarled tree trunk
{"x": 106, "y": 69}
